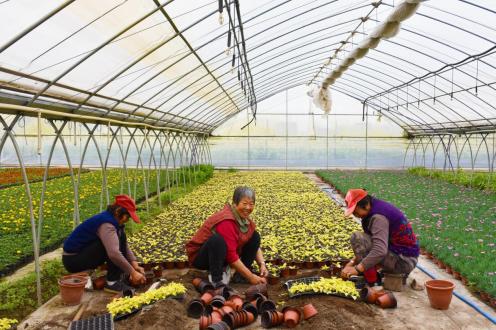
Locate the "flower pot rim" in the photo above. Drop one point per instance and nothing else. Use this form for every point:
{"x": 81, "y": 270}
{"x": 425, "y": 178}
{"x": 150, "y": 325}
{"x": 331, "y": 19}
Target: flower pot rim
{"x": 439, "y": 284}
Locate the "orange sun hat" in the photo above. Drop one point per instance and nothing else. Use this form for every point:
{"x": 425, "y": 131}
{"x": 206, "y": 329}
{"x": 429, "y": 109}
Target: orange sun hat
{"x": 353, "y": 196}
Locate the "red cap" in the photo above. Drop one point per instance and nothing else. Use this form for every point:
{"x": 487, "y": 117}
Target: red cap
{"x": 128, "y": 203}
{"x": 353, "y": 196}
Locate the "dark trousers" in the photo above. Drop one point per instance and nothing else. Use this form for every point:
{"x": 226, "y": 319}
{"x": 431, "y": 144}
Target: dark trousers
{"x": 212, "y": 255}
{"x": 94, "y": 255}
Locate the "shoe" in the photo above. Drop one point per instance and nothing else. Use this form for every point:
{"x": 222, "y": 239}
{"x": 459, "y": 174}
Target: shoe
{"x": 226, "y": 277}
{"x": 119, "y": 288}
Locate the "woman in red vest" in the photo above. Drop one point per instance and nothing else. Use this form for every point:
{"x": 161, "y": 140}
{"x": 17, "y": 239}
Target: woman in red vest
{"x": 228, "y": 237}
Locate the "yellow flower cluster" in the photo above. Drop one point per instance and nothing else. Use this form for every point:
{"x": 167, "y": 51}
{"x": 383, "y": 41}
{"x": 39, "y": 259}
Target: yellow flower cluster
{"x": 331, "y": 285}
{"x": 295, "y": 219}
{"x": 126, "y": 305}
{"x": 6, "y": 324}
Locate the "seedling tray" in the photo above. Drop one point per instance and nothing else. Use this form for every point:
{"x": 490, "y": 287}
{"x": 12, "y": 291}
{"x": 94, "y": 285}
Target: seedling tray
{"x": 99, "y": 322}
{"x": 308, "y": 280}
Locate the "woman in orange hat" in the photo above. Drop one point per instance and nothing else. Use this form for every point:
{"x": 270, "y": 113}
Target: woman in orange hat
{"x": 387, "y": 240}
{"x": 102, "y": 239}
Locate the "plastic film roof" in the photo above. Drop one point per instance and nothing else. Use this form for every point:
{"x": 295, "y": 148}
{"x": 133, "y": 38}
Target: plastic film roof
{"x": 168, "y": 63}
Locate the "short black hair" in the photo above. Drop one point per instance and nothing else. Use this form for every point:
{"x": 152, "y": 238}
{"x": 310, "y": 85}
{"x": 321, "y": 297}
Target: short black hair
{"x": 243, "y": 191}
{"x": 117, "y": 210}
{"x": 364, "y": 201}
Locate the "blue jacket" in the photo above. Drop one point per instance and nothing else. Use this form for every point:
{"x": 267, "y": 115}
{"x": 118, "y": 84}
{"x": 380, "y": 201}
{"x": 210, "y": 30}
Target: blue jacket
{"x": 85, "y": 233}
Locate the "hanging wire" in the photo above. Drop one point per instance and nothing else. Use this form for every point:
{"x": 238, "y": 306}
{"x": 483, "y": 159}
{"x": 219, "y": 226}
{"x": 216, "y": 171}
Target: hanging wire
{"x": 434, "y": 95}
{"x": 476, "y": 76}
{"x": 452, "y": 75}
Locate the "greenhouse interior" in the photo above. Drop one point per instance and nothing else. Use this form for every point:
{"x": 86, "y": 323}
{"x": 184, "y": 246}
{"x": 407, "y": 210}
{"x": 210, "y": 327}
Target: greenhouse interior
{"x": 137, "y": 136}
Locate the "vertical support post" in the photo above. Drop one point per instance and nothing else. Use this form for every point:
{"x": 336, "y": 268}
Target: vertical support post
{"x": 366, "y": 113}
{"x": 327, "y": 141}
{"x": 249, "y": 155}
{"x": 286, "y": 163}
{"x": 39, "y": 134}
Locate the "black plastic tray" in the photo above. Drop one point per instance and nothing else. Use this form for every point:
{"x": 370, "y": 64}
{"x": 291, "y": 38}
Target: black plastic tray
{"x": 99, "y": 322}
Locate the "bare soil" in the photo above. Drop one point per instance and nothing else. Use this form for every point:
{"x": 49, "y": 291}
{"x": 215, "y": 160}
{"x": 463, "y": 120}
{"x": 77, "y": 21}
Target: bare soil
{"x": 334, "y": 312}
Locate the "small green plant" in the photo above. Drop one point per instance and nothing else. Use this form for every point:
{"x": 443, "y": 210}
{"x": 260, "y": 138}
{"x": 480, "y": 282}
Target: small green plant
{"x": 18, "y": 298}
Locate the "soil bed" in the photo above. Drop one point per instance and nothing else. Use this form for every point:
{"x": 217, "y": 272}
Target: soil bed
{"x": 334, "y": 312}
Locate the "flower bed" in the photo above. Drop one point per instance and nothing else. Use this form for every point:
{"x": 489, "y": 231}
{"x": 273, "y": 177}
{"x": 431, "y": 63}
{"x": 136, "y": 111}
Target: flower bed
{"x": 13, "y": 176}
{"x": 297, "y": 221}
{"x": 455, "y": 223}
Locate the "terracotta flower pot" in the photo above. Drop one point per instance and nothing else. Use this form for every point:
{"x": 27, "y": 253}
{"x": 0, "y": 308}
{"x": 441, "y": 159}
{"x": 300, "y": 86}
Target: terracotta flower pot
{"x": 284, "y": 272}
{"x": 439, "y": 293}
{"x": 204, "y": 286}
{"x": 99, "y": 282}
{"x": 492, "y": 302}
{"x": 169, "y": 265}
{"x": 196, "y": 281}
{"x": 291, "y": 316}
{"x": 267, "y": 305}
{"x": 254, "y": 289}
{"x": 206, "y": 297}
{"x": 216, "y": 316}
{"x": 205, "y": 321}
{"x": 308, "y": 264}
{"x": 180, "y": 264}
{"x": 149, "y": 277}
{"x": 157, "y": 271}
{"x": 226, "y": 309}
{"x": 72, "y": 288}
{"x": 271, "y": 319}
{"x": 195, "y": 308}
{"x": 237, "y": 302}
{"x": 387, "y": 300}
{"x": 218, "y": 301}
{"x": 309, "y": 311}
{"x": 370, "y": 295}
{"x": 222, "y": 291}
{"x": 299, "y": 264}
{"x": 273, "y": 280}
{"x": 485, "y": 296}
{"x": 250, "y": 308}
{"x": 259, "y": 298}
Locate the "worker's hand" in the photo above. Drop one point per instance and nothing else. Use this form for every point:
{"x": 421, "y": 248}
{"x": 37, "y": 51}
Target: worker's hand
{"x": 137, "y": 267}
{"x": 348, "y": 271}
{"x": 254, "y": 279}
{"x": 264, "y": 272}
{"x": 137, "y": 278}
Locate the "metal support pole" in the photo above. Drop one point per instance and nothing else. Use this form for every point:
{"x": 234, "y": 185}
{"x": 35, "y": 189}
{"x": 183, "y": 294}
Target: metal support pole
{"x": 286, "y": 166}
